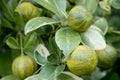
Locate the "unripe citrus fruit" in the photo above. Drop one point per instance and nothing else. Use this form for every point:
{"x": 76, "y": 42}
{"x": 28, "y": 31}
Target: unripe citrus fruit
{"x": 82, "y": 61}
{"x": 79, "y": 18}
{"x": 106, "y": 57}
{"x": 27, "y": 10}
{"x": 24, "y": 66}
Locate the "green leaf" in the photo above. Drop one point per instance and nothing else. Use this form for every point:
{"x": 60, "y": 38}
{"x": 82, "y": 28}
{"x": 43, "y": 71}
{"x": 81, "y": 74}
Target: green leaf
{"x": 40, "y": 59}
{"x": 48, "y": 4}
{"x": 41, "y": 54}
{"x": 68, "y": 76}
{"x": 30, "y": 51}
{"x": 52, "y": 46}
{"x": 6, "y": 61}
{"x": 46, "y": 29}
{"x": 54, "y": 59}
{"x": 102, "y": 24}
{"x": 105, "y": 6}
{"x": 111, "y": 76}
{"x": 37, "y": 22}
{"x": 56, "y": 6}
{"x": 30, "y": 40}
{"x": 6, "y": 23}
{"x": 112, "y": 38}
{"x": 67, "y": 40}
{"x": 59, "y": 69}
{"x": 12, "y": 4}
{"x": 49, "y": 72}
{"x": 60, "y": 5}
{"x": 97, "y": 74}
{"x": 10, "y": 77}
{"x": 19, "y": 21}
{"x": 6, "y": 10}
{"x": 12, "y": 43}
{"x": 56, "y": 53}
{"x": 116, "y": 4}
{"x": 91, "y": 5}
{"x": 93, "y": 38}
{"x": 33, "y": 77}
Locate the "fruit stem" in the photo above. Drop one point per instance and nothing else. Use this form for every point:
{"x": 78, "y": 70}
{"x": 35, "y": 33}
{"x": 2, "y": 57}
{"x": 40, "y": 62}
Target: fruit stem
{"x": 21, "y": 44}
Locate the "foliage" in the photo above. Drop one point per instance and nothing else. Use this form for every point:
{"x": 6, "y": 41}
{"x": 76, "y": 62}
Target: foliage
{"x": 49, "y": 39}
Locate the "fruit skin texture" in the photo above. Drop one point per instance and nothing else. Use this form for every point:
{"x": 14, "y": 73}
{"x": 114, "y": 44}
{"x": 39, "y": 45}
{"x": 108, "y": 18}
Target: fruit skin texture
{"x": 27, "y": 10}
{"x": 82, "y": 61}
{"x": 106, "y": 57}
{"x": 23, "y": 66}
{"x": 79, "y": 18}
